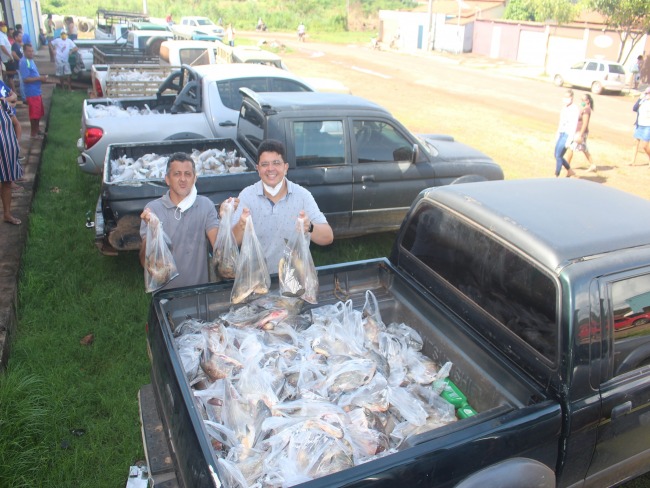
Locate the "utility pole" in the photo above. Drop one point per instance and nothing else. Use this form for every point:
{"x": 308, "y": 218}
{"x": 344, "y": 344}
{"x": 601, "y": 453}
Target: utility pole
{"x": 431, "y": 38}
{"x": 144, "y": 6}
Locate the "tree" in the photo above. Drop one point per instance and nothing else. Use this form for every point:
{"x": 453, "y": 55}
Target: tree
{"x": 630, "y": 18}
{"x": 547, "y": 11}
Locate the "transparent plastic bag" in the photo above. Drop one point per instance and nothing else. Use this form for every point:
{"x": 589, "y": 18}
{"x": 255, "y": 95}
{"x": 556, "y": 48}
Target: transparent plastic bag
{"x": 226, "y": 252}
{"x": 252, "y": 275}
{"x": 296, "y": 272}
{"x": 159, "y": 265}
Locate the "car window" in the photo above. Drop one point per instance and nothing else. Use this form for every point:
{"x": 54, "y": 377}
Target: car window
{"x": 380, "y": 141}
{"x": 231, "y": 98}
{"x": 503, "y": 284}
{"x": 630, "y": 315}
{"x": 617, "y": 69}
{"x": 319, "y": 142}
{"x": 592, "y": 66}
{"x": 194, "y": 57}
{"x": 578, "y": 65}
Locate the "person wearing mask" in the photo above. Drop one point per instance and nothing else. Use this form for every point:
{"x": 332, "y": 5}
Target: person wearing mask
{"x": 642, "y": 130}
{"x": 565, "y": 132}
{"x": 10, "y": 169}
{"x": 189, "y": 220}
{"x": 32, "y": 80}
{"x": 582, "y": 132}
{"x": 63, "y": 47}
{"x": 275, "y": 203}
{"x": 71, "y": 29}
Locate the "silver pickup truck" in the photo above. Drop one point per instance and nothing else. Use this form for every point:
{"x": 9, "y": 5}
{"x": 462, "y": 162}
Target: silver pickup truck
{"x": 192, "y": 103}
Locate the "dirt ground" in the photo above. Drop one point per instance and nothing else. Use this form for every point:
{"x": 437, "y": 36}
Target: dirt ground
{"x": 481, "y": 103}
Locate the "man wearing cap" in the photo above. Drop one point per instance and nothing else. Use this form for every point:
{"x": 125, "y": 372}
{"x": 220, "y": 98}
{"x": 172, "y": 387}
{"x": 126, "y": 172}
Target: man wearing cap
{"x": 32, "y": 80}
{"x": 62, "y": 48}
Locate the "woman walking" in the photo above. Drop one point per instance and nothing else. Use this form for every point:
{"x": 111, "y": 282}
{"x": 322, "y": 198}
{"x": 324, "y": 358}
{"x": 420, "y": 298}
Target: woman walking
{"x": 582, "y": 131}
{"x": 566, "y": 129}
{"x": 10, "y": 169}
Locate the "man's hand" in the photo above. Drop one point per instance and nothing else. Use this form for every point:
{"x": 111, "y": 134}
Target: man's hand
{"x": 235, "y": 203}
{"x": 146, "y": 215}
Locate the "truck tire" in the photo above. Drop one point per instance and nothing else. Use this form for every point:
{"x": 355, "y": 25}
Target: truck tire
{"x": 468, "y": 179}
{"x": 153, "y": 46}
{"x": 83, "y": 26}
{"x": 512, "y": 473}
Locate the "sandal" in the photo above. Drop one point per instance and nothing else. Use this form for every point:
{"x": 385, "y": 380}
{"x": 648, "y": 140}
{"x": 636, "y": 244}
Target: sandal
{"x": 13, "y": 221}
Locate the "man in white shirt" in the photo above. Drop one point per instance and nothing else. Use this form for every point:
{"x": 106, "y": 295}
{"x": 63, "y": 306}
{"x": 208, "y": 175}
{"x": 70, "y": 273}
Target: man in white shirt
{"x": 63, "y": 47}
{"x": 5, "y": 47}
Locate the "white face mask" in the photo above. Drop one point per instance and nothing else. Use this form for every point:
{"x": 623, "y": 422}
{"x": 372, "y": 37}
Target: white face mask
{"x": 273, "y": 190}
{"x": 188, "y": 201}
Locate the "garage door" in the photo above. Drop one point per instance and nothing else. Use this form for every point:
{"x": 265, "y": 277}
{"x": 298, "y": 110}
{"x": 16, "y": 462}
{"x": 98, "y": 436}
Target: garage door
{"x": 532, "y": 47}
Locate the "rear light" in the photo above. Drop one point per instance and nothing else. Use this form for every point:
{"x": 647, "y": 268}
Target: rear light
{"x": 92, "y": 136}
{"x": 98, "y": 89}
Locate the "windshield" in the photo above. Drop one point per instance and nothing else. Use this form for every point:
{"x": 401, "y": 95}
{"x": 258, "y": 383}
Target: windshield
{"x": 204, "y": 22}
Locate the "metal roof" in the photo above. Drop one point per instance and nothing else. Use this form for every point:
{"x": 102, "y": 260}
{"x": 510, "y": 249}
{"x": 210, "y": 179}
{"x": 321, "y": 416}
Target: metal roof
{"x": 555, "y": 220}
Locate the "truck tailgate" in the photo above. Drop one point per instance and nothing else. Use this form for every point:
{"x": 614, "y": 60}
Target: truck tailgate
{"x": 501, "y": 397}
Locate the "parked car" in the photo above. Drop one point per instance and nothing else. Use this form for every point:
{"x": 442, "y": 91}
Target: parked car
{"x": 632, "y": 319}
{"x": 596, "y": 75}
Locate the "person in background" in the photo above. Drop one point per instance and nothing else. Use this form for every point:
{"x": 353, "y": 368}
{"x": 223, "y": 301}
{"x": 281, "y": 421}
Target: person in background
{"x": 5, "y": 55}
{"x": 230, "y": 35}
{"x": 275, "y": 203}
{"x": 582, "y": 132}
{"x": 63, "y": 47}
{"x": 169, "y": 20}
{"x": 189, "y": 220}
{"x": 32, "y": 80}
{"x": 71, "y": 29}
{"x": 565, "y": 132}
{"x": 49, "y": 35}
{"x": 636, "y": 69}
{"x": 26, "y": 39}
{"x": 642, "y": 130}
{"x": 17, "y": 54}
{"x": 10, "y": 169}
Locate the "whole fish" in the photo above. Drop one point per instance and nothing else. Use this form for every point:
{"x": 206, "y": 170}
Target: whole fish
{"x": 253, "y": 316}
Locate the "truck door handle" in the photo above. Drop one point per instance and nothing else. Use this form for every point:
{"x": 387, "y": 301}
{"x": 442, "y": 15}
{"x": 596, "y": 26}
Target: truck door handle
{"x": 365, "y": 178}
{"x": 227, "y": 123}
{"x": 620, "y": 410}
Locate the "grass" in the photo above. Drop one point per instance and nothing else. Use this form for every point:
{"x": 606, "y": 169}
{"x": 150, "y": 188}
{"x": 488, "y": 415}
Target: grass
{"x": 69, "y": 412}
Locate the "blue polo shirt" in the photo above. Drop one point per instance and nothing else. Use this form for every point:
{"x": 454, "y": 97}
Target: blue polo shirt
{"x": 28, "y": 69}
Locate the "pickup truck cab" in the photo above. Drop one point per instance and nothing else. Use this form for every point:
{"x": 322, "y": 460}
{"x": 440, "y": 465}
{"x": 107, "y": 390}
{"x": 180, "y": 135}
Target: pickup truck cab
{"x": 148, "y": 37}
{"x": 507, "y": 280}
{"x": 191, "y": 53}
{"x": 246, "y": 54}
{"x": 198, "y": 29}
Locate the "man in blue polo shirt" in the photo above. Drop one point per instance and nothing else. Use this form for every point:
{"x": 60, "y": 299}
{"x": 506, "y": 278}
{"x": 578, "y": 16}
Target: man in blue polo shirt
{"x": 32, "y": 80}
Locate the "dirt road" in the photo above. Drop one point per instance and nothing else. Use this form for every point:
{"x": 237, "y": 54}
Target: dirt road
{"x": 482, "y": 103}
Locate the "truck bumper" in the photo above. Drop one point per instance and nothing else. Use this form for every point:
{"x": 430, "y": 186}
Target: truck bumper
{"x": 85, "y": 162}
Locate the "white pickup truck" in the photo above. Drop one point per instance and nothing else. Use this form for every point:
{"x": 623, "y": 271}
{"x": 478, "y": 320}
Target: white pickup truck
{"x": 204, "y": 103}
{"x": 198, "y": 29}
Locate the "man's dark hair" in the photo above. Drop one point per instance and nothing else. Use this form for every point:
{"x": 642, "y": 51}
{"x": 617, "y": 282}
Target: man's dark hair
{"x": 270, "y": 145}
{"x": 181, "y": 157}
{"x": 19, "y": 27}
{"x": 27, "y": 44}
{"x": 17, "y": 33}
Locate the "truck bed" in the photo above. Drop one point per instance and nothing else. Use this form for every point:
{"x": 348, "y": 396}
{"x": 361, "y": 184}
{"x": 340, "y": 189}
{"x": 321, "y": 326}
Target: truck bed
{"x": 117, "y": 216}
{"x": 492, "y": 388}
{"x": 122, "y": 54}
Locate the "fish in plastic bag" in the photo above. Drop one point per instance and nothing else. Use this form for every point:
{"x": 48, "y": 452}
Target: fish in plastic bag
{"x": 252, "y": 275}
{"x": 159, "y": 265}
{"x": 226, "y": 251}
{"x": 296, "y": 272}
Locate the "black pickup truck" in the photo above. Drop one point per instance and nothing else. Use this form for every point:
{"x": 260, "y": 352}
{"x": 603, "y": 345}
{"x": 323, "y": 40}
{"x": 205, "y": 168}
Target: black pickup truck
{"x": 363, "y": 167}
{"x": 534, "y": 301}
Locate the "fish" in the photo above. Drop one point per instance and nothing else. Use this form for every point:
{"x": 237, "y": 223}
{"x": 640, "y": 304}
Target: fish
{"x": 253, "y": 316}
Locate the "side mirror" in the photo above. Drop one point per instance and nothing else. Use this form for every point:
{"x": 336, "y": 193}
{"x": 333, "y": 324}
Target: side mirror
{"x": 415, "y": 154}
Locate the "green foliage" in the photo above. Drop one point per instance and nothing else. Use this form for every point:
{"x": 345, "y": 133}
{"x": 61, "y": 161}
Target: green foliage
{"x": 556, "y": 11}
{"x": 283, "y": 15}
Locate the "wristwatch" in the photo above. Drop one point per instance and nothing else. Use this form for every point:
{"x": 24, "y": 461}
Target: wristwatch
{"x": 311, "y": 227}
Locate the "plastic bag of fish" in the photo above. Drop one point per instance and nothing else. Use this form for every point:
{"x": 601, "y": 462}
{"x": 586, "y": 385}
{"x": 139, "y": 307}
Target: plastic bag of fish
{"x": 296, "y": 271}
{"x": 154, "y": 166}
{"x": 252, "y": 276}
{"x": 287, "y": 397}
{"x": 99, "y": 111}
{"x": 159, "y": 265}
{"x": 226, "y": 252}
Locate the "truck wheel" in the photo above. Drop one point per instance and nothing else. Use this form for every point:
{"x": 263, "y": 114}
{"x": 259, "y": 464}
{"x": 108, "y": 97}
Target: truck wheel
{"x": 597, "y": 88}
{"x": 153, "y": 46}
{"x": 558, "y": 81}
{"x": 512, "y": 473}
{"x": 83, "y": 26}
